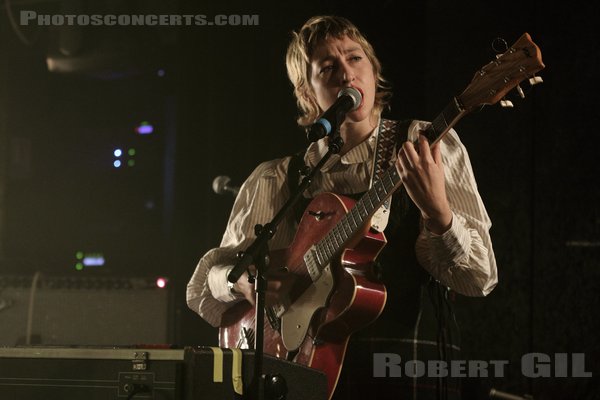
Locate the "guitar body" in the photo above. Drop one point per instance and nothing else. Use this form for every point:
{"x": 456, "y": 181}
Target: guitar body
{"x": 322, "y": 315}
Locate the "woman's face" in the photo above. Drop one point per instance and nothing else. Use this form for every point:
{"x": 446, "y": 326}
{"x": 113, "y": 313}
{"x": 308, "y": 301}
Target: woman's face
{"x": 339, "y": 63}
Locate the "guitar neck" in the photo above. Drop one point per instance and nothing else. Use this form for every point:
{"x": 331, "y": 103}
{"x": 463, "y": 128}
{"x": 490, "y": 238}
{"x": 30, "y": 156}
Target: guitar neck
{"x": 382, "y": 189}
{"x": 448, "y": 118}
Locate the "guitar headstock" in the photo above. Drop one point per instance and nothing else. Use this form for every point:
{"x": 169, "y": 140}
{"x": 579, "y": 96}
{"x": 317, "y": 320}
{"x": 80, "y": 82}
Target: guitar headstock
{"x": 492, "y": 82}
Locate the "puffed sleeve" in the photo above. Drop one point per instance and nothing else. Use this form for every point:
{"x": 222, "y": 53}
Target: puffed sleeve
{"x": 261, "y": 196}
{"x": 463, "y": 257}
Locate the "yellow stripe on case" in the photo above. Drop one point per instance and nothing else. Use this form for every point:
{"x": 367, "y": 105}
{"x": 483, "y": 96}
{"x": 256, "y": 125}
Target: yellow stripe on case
{"x": 217, "y": 364}
{"x": 236, "y": 371}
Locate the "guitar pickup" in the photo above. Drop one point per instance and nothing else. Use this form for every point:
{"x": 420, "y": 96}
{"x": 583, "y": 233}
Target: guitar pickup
{"x": 312, "y": 263}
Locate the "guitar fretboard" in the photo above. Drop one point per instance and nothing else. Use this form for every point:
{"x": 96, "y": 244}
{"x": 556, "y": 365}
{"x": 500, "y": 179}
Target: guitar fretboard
{"x": 444, "y": 121}
{"x": 364, "y": 208}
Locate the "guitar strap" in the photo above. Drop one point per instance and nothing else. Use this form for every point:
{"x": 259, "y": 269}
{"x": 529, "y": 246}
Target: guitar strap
{"x": 390, "y": 137}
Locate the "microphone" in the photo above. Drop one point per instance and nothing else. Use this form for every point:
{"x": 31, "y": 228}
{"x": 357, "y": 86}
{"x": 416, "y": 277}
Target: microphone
{"x": 221, "y": 185}
{"x": 348, "y": 100}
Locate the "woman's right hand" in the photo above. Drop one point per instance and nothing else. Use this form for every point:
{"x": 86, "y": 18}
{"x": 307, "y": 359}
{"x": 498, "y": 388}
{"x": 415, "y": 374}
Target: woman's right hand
{"x": 279, "y": 284}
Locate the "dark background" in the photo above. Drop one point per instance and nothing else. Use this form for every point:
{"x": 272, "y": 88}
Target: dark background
{"x": 224, "y": 104}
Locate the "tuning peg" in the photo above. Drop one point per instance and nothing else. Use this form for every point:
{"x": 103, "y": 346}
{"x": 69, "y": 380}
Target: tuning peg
{"x": 506, "y": 103}
{"x": 535, "y": 80}
{"x": 520, "y": 91}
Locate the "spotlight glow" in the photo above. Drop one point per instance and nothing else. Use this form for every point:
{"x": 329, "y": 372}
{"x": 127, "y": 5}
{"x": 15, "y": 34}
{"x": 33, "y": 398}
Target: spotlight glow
{"x": 144, "y": 128}
{"x": 161, "y": 282}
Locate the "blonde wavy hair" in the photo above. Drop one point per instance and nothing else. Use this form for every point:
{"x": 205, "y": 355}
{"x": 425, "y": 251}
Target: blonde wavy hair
{"x": 299, "y": 53}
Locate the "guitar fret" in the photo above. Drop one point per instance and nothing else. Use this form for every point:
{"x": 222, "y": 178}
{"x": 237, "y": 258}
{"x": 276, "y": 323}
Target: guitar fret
{"x": 356, "y": 216}
{"x": 351, "y": 219}
{"x": 372, "y": 206}
{"x": 375, "y": 193}
{"x": 386, "y": 189}
{"x": 320, "y": 251}
{"x": 339, "y": 234}
{"x": 324, "y": 252}
{"x": 366, "y": 208}
{"x": 344, "y": 234}
{"x": 441, "y": 124}
{"x": 381, "y": 190}
{"x": 349, "y": 229}
{"x": 373, "y": 202}
{"x": 388, "y": 181}
{"x": 336, "y": 238}
{"x": 356, "y": 211}
{"x": 328, "y": 247}
{"x": 432, "y": 131}
{"x": 394, "y": 176}
{"x": 333, "y": 239}
{"x": 362, "y": 210}
{"x": 318, "y": 254}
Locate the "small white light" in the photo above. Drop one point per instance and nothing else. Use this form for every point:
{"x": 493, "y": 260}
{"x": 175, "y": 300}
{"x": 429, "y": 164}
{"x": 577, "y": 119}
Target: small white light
{"x": 161, "y": 283}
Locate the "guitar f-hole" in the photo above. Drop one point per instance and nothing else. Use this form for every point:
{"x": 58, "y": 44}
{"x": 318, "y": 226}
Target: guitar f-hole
{"x": 319, "y": 215}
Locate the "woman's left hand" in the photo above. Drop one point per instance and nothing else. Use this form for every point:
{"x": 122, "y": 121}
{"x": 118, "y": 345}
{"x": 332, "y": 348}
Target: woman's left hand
{"x": 422, "y": 173}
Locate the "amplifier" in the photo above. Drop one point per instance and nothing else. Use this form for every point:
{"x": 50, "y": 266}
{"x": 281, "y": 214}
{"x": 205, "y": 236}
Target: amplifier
{"x": 191, "y": 373}
{"x": 74, "y": 310}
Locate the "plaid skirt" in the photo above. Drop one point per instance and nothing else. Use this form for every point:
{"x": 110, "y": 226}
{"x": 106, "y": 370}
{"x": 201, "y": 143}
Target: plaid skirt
{"x": 393, "y": 359}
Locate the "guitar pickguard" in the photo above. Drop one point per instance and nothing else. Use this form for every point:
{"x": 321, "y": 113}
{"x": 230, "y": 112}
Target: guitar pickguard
{"x": 296, "y": 320}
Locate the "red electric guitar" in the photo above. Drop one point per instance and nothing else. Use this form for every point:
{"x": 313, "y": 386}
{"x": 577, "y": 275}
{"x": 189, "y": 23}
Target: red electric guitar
{"x": 336, "y": 292}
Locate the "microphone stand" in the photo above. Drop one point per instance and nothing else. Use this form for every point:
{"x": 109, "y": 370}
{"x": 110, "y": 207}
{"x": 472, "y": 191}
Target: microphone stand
{"x": 258, "y": 254}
